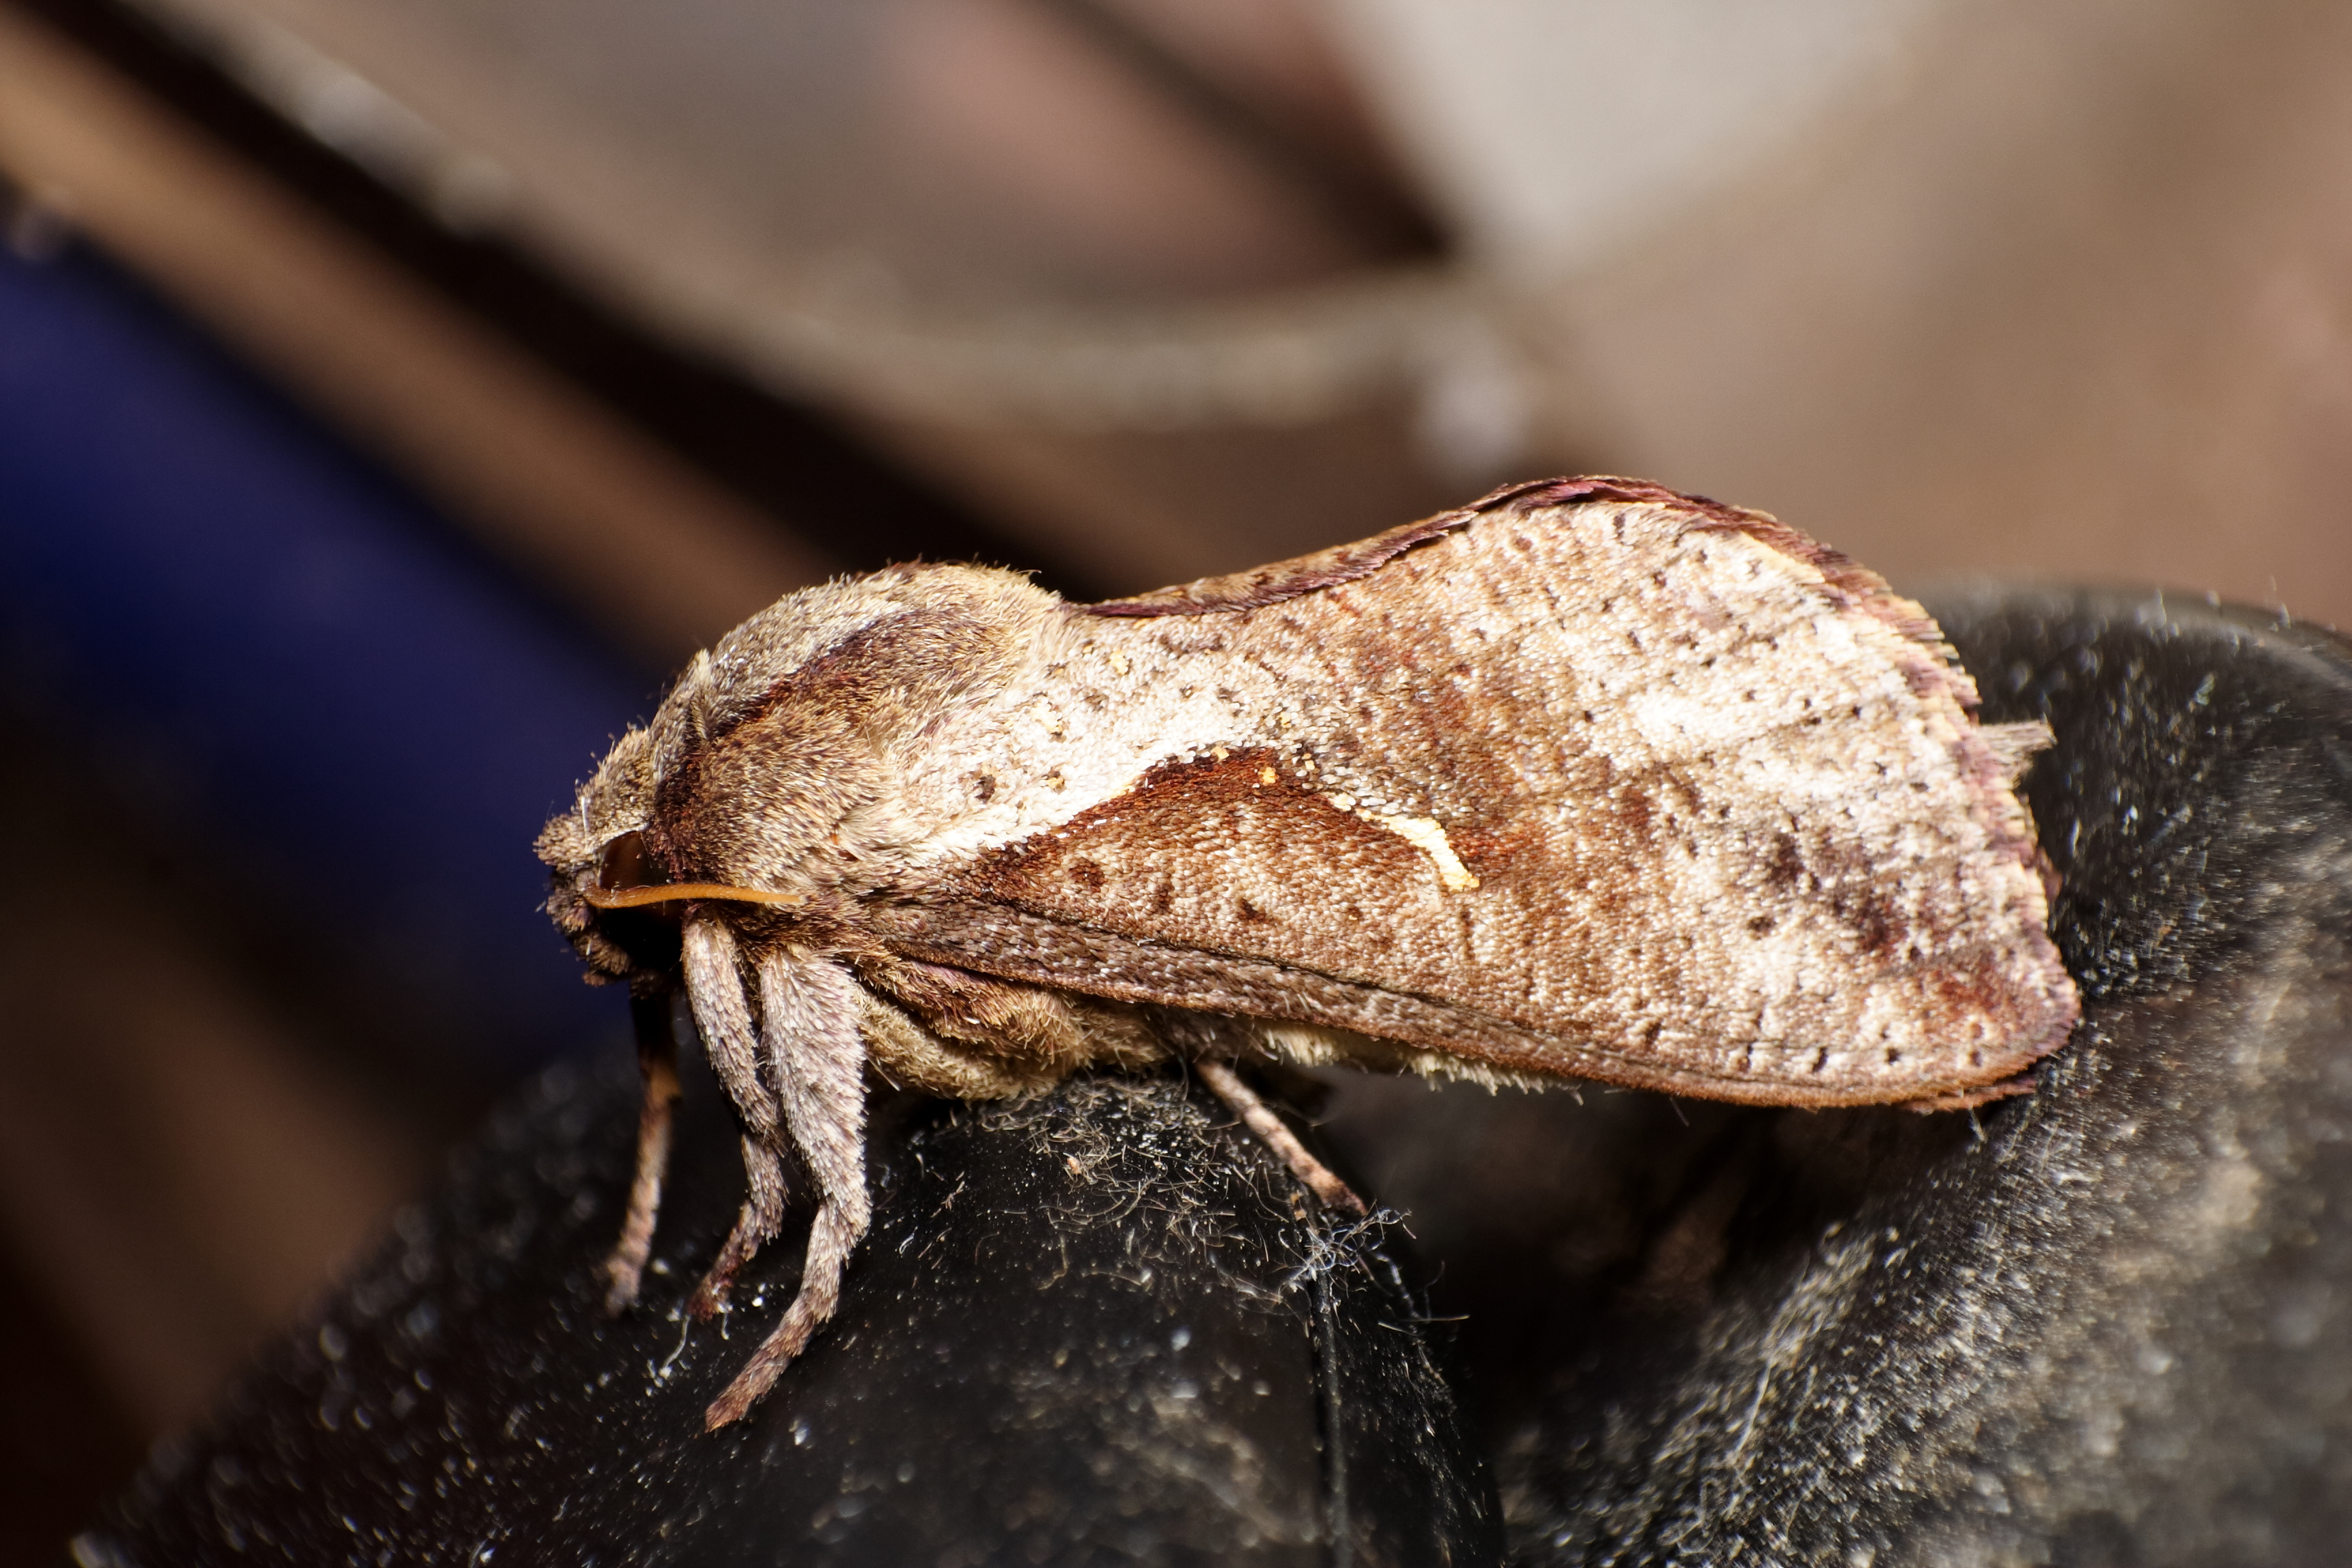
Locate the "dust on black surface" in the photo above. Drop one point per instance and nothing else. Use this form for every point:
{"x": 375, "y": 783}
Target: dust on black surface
{"x": 1091, "y": 1327}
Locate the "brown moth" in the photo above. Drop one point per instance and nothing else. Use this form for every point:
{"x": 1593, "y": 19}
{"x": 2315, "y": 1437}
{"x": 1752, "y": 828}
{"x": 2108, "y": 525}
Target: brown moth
{"x": 1589, "y": 780}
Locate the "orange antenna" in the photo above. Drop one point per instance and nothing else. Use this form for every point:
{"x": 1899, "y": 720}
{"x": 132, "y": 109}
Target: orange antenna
{"x": 672, "y": 892}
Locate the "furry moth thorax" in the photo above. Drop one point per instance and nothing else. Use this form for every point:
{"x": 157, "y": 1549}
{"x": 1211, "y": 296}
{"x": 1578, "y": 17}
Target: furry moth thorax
{"x": 780, "y": 761}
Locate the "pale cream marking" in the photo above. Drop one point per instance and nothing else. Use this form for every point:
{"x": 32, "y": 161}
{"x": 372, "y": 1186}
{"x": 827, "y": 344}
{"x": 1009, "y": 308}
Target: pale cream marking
{"x": 1424, "y": 835}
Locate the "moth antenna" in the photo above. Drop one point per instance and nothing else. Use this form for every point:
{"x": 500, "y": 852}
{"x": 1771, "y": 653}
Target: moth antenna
{"x": 1259, "y": 1117}
{"x": 809, "y": 1009}
{"x": 714, "y": 983}
{"x": 624, "y": 1270}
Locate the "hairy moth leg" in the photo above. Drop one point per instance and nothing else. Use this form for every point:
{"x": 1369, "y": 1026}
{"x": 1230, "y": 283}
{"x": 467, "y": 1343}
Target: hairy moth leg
{"x": 1259, "y": 1117}
{"x": 715, "y": 983}
{"x": 809, "y": 1008}
{"x": 756, "y": 1223}
{"x": 624, "y": 1270}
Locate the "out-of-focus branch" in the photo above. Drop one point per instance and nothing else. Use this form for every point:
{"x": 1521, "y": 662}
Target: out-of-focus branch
{"x": 648, "y": 546}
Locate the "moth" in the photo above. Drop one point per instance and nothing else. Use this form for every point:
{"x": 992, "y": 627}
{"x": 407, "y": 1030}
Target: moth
{"x": 1587, "y": 780}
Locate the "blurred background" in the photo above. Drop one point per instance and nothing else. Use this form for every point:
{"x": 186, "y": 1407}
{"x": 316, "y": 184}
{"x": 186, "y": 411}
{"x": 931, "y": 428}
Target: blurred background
{"x": 391, "y": 396}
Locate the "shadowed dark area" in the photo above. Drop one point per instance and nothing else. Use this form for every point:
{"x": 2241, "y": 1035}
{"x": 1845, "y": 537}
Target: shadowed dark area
{"x": 63, "y": 1437}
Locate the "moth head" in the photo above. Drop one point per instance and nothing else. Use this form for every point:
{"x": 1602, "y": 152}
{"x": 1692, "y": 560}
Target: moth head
{"x": 599, "y": 848}
{"x": 769, "y": 782}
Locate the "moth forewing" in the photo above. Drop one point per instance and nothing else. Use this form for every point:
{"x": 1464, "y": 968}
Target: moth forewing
{"x": 1683, "y": 809}
{"x": 1588, "y": 780}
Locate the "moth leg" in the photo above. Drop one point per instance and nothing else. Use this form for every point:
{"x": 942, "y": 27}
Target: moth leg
{"x": 761, "y": 1216}
{"x": 1243, "y": 1101}
{"x": 715, "y": 984}
{"x": 624, "y": 1270}
{"x": 730, "y": 1039}
{"x": 810, "y": 1009}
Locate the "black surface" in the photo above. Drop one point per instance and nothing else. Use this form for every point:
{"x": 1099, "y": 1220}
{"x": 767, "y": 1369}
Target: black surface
{"x": 2109, "y": 1324}
{"x": 1093, "y": 1328}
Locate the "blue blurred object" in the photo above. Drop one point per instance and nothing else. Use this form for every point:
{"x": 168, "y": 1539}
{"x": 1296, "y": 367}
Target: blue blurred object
{"x": 273, "y": 643}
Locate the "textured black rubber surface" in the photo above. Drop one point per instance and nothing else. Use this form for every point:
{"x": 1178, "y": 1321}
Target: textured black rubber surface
{"x": 2108, "y": 1324}
{"x": 1098, "y": 1327}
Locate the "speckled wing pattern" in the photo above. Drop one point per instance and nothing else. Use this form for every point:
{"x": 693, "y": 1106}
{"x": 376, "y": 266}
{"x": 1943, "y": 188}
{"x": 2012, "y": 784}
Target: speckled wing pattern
{"x": 1589, "y": 780}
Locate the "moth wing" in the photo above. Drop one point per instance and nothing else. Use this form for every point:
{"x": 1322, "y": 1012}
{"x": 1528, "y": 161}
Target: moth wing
{"x": 1590, "y": 782}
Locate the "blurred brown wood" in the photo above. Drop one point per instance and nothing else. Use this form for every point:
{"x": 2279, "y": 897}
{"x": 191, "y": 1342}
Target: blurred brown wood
{"x": 2074, "y": 303}
{"x": 646, "y": 545}
{"x": 178, "y": 1170}
{"x": 1137, "y": 510}
{"x": 187, "y": 1152}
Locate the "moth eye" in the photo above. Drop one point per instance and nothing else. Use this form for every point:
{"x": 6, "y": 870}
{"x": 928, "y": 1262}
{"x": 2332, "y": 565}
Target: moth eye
{"x": 648, "y": 937}
{"x": 626, "y": 864}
